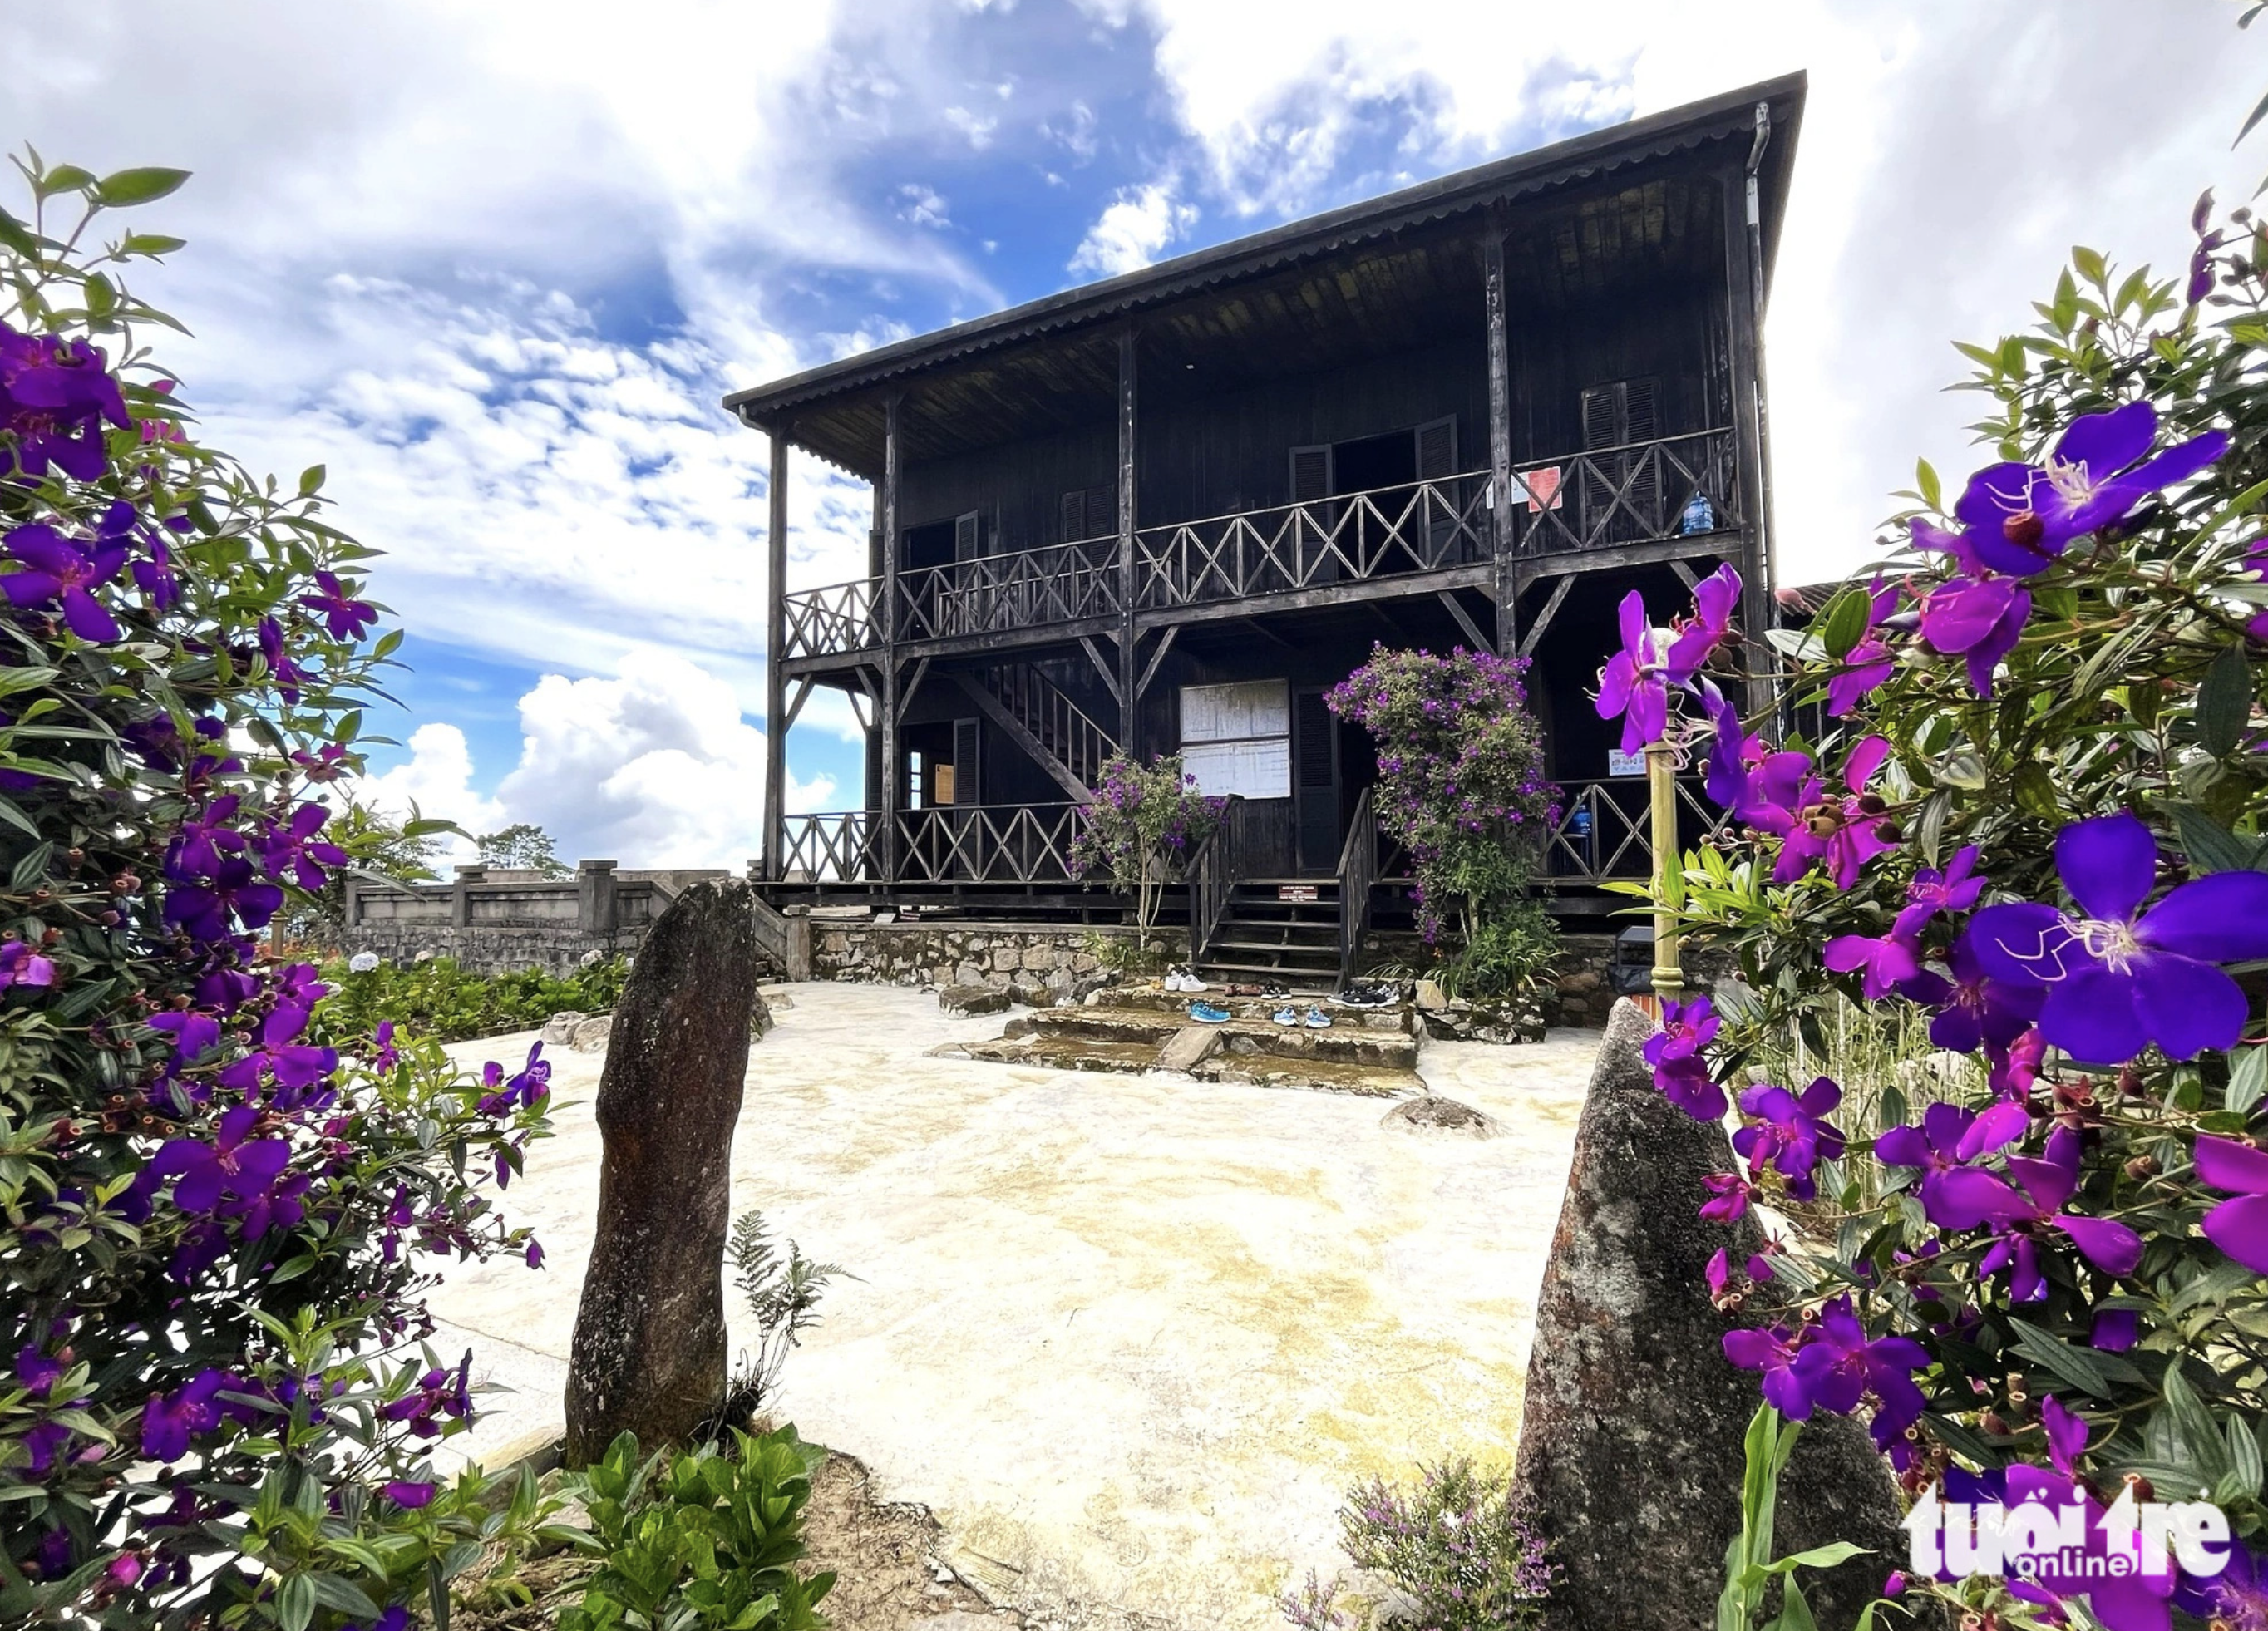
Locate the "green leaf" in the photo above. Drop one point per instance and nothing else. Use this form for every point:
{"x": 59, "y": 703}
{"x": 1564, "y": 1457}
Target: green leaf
{"x": 62, "y": 178}
{"x": 1844, "y": 623}
{"x": 123, "y": 187}
{"x": 2193, "y": 1423}
{"x": 2082, "y": 1369}
{"x": 2224, "y": 702}
{"x": 2036, "y": 790}
{"x": 32, "y": 870}
{"x": 295, "y": 1602}
{"x": 2089, "y": 262}
{"x": 1794, "y": 1612}
{"x": 151, "y": 244}
{"x": 1925, "y": 483}
{"x": 2211, "y": 847}
{"x": 342, "y": 1594}
{"x": 2247, "y": 1077}
{"x": 311, "y": 480}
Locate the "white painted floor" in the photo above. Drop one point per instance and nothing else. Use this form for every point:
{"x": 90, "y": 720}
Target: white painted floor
{"x": 1131, "y": 1338}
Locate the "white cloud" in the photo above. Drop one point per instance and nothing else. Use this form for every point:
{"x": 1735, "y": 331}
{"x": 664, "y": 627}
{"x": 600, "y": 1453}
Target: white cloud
{"x": 923, "y": 206}
{"x": 436, "y": 781}
{"x": 978, "y": 128}
{"x": 1134, "y": 229}
{"x": 652, "y": 767}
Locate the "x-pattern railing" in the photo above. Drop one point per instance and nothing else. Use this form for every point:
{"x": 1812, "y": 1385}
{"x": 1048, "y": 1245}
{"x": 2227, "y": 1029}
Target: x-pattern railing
{"x": 989, "y": 843}
{"x": 1616, "y": 840}
{"x": 841, "y": 617}
{"x": 835, "y": 846}
{"x": 1056, "y": 584}
{"x": 1632, "y": 494}
{"x": 1423, "y": 526}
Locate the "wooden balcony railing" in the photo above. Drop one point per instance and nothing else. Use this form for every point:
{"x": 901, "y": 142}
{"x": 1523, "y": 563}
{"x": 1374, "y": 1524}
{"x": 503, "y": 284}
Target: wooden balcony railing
{"x": 1423, "y": 526}
{"x": 989, "y": 843}
{"x": 1635, "y": 493}
{"x": 1605, "y": 829}
{"x": 835, "y": 847}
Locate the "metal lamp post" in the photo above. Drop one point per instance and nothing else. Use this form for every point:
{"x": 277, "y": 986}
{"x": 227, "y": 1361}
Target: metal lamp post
{"x": 1662, "y": 783}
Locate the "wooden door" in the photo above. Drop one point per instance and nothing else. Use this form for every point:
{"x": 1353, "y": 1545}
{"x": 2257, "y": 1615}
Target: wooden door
{"x": 1314, "y": 783}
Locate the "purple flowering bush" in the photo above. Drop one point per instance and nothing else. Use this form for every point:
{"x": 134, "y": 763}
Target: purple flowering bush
{"x": 219, "y": 1219}
{"x": 2035, "y": 814}
{"x": 1459, "y": 1549}
{"x": 1461, "y": 787}
{"x": 1145, "y": 821}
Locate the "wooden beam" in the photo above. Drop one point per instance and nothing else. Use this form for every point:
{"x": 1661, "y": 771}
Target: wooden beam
{"x": 1102, "y": 666}
{"x": 1500, "y": 397}
{"x": 1528, "y": 641}
{"x": 991, "y": 708}
{"x": 1150, "y": 672}
{"x": 1685, "y": 574}
{"x": 906, "y": 694}
{"x": 1128, "y": 693}
{"x": 1401, "y": 587}
{"x": 1747, "y": 432}
{"x": 803, "y": 690}
{"x": 1464, "y": 622}
{"x": 864, "y": 716}
{"x": 893, "y": 439}
{"x": 778, "y": 718}
{"x": 1613, "y": 557}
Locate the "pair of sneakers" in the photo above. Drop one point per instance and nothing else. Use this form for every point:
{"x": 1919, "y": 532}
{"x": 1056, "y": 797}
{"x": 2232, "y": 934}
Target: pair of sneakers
{"x": 1181, "y": 979}
{"x": 1314, "y": 1019}
{"x": 1209, "y": 1013}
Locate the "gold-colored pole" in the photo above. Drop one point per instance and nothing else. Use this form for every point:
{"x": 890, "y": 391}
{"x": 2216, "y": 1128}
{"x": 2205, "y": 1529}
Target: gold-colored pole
{"x": 1662, "y": 782}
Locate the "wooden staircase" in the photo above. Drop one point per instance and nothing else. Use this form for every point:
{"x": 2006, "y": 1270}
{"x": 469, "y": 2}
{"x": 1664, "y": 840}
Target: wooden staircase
{"x": 1041, "y": 718}
{"x": 1263, "y": 937}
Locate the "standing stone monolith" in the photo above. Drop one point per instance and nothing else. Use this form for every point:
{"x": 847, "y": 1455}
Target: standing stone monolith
{"x": 1631, "y": 1430}
{"x": 648, "y": 1348}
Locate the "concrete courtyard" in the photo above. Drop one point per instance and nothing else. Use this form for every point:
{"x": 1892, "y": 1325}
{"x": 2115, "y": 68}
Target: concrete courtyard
{"x": 1129, "y": 1337}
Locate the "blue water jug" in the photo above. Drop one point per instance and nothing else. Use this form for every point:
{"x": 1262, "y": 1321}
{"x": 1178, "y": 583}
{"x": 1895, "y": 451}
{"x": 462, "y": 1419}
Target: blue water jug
{"x": 1699, "y": 516}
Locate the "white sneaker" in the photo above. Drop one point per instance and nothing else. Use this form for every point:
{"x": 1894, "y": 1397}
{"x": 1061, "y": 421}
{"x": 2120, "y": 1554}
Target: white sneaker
{"x": 1190, "y": 982}
{"x": 1175, "y": 981}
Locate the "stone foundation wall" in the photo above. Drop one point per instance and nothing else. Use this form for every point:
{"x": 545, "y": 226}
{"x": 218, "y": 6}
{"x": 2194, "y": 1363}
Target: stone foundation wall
{"x": 488, "y": 950}
{"x": 1581, "y": 993}
{"x": 1036, "y": 963}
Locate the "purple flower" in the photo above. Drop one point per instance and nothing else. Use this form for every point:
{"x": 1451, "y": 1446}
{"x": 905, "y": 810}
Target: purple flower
{"x": 293, "y": 851}
{"x": 1792, "y": 1132}
{"x": 2238, "y": 1227}
{"x": 2122, "y": 1600}
{"x": 1869, "y": 662}
{"x": 1729, "y": 1195}
{"x": 1954, "y": 889}
{"x": 1634, "y": 685}
{"x": 1772, "y": 1351}
{"x": 1696, "y": 638}
{"x": 2119, "y": 978}
{"x": 54, "y": 396}
{"x": 1674, "y": 1053}
{"x": 2235, "y": 1599}
{"x": 408, "y": 1492}
{"x": 2115, "y": 1330}
{"x": 1973, "y": 1010}
{"x": 1976, "y": 615}
{"x": 2046, "y": 1182}
{"x": 530, "y": 1087}
{"x": 2066, "y": 1434}
{"x": 169, "y": 1420}
{"x": 209, "y": 910}
{"x": 1844, "y": 830}
{"x": 345, "y": 617}
{"x": 1839, "y": 1368}
{"x": 534, "y": 1254}
{"x": 384, "y": 1054}
{"x": 1953, "y": 1194}
{"x": 20, "y": 966}
{"x": 1884, "y": 962}
{"x": 2018, "y": 518}
{"x": 53, "y": 569}
{"x": 234, "y": 1164}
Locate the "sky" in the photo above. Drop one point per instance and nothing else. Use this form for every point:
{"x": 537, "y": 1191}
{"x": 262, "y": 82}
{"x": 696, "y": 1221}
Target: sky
{"x": 493, "y": 266}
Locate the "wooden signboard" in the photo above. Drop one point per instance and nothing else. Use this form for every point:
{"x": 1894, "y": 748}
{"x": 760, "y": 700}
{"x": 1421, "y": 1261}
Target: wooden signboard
{"x": 1295, "y": 892}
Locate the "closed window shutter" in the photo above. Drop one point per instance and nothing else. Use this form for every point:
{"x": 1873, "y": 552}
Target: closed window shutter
{"x": 1101, "y": 512}
{"x": 1602, "y": 416}
{"x": 1311, "y": 473}
{"x": 967, "y": 774}
{"x": 968, "y": 529}
{"x": 1074, "y": 516}
{"x": 1437, "y": 450}
{"x": 1641, "y": 423}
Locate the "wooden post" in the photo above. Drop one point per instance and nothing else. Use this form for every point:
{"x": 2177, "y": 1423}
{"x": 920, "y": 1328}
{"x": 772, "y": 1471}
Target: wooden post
{"x": 1500, "y": 397}
{"x": 1748, "y": 439}
{"x": 892, "y": 453}
{"x": 775, "y": 657}
{"x": 1662, "y": 782}
{"x": 1129, "y": 703}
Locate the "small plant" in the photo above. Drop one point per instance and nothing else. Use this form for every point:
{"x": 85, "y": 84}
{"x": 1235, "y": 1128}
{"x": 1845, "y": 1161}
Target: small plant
{"x": 1459, "y": 1548}
{"x": 707, "y": 1541}
{"x": 443, "y": 1001}
{"x": 1123, "y": 954}
{"x": 782, "y": 1293}
{"x": 1749, "y": 1566}
{"x": 1146, "y": 821}
{"x": 1314, "y": 1606}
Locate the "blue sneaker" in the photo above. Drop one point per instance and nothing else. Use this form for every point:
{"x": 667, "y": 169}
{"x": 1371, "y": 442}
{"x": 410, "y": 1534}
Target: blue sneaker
{"x": 1318, "y": 1020}
{"x": 1285, "y": 1016}
{"x": 1205, "y": 1013}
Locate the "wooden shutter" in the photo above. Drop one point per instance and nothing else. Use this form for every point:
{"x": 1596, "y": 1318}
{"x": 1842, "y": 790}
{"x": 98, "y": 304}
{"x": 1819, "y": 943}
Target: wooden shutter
{"x": 968, "y": 534}
{"x": 1315, "y": 779}
{"x": 1074, "y": 516}
{"x": 1642, "y": 423}
{"x": 1602, "y": 416}
{"x": 968, "y": 773}
{"x": 1437, "y": 450}
{"x": 1311, "y": 473}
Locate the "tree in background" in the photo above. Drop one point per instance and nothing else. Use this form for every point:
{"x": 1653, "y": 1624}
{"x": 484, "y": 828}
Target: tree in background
{"x": 521, "y": 847}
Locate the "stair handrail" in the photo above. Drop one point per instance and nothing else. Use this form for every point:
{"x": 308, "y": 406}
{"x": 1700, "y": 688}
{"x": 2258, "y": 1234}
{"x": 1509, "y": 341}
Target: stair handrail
{"x": 1357, "y": 871}
{"x": 1213, "y": 875}
{"x": 1045, "y": 708}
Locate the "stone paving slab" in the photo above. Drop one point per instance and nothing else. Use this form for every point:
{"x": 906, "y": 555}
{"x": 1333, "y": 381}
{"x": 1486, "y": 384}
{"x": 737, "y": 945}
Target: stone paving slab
{"x": 1129, "y": 1336}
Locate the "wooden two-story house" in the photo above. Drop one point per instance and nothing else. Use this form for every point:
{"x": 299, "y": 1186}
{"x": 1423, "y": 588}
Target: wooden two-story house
{"x": 1167, "y": 511}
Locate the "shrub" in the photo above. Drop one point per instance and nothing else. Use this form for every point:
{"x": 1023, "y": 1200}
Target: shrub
{"x": 215, "y": 1227}
{"x": 1143, "y": 823}
{"x": 438, "y": 999}
{"x": 783, "y": 1295}
{"x": 704, "y": 1540}
{"x": 2036, "y": 810}
{"x": 1460, "y": 786}
{"x": 1459, "y": 1547}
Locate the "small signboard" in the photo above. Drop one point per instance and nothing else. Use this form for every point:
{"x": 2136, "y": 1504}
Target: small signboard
{"x": 1541, "y": 486}
{"x": 1295, "y": 892}
{"x": 1619, "y": 763}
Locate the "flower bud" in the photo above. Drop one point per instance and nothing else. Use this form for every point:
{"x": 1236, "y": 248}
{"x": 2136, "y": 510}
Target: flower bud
{"x": 2142, "y": 1167}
